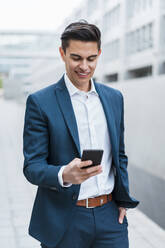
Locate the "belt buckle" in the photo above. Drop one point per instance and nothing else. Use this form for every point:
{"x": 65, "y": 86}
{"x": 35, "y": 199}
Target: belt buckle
{"x": 101, "y": 201}
{"x": 87, "y": 206}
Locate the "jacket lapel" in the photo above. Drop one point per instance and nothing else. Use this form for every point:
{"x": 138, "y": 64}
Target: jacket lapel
{"x": 107, "y": 103}
{"x": 66, "y": 107}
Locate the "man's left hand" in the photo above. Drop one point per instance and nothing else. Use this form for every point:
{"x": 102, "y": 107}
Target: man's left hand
{"x": 122, "y": 213}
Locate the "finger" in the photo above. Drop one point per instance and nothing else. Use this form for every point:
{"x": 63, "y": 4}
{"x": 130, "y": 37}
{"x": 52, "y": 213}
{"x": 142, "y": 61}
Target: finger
{"x": 88, "y": 171}
{"x": 85, "y": 163}
{"x": 95, "y": 173}
{"x": 77, "y": 160}
{"x": 122, "y": 213}
{"x": 93, "y": 169}
{"x": 86, "y": 176}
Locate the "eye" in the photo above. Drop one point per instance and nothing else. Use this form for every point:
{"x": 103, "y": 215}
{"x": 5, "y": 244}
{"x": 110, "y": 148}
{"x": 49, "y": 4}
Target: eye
{"x": 91, "y": 59}
{"x": 76, "y": 59}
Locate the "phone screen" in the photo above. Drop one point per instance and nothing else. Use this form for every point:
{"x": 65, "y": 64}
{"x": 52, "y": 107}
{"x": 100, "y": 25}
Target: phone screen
{"x": 92, "y": 154}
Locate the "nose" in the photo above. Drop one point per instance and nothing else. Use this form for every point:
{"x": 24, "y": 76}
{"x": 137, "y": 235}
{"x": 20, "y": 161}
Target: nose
{"x": 84, "y": 65}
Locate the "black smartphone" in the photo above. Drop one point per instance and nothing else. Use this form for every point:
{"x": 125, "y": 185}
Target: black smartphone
{"x": 92, "y": 154}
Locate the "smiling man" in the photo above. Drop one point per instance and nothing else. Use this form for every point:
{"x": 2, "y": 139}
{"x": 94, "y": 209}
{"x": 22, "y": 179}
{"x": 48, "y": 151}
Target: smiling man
{"x": 77, "y": 207}
{"x": 80, "y": 61}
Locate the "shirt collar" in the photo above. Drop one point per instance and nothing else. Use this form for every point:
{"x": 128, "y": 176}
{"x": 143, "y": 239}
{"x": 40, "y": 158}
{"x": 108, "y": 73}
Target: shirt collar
{"x": 73, "y": 90}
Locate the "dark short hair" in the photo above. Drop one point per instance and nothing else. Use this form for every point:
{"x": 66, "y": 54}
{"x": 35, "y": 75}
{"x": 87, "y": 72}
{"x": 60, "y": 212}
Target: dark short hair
{"x": 82, "y": 31}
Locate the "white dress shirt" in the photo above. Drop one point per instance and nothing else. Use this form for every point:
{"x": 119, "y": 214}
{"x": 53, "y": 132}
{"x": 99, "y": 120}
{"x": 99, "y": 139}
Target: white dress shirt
{"x": 93, "y": 134}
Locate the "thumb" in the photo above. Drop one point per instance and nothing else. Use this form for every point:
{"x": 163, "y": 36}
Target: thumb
{"x": 76, "y": 161}
{"x": 122, "y": 213}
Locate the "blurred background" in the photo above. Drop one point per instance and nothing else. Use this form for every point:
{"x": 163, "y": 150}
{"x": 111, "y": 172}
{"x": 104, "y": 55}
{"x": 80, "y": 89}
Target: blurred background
{"x": 132, "y": 60}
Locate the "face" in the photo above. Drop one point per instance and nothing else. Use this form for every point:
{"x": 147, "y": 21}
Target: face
{"x": 80, "y": 62}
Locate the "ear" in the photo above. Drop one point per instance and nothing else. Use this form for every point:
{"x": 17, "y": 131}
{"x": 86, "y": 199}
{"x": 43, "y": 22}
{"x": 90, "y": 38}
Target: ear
{"x": 62, "y": 53}
{"x": 99, "y": 52}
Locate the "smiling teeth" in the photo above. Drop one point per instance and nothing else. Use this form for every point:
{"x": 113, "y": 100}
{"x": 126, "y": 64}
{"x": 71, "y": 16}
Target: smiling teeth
{"x": 83, "y": 74}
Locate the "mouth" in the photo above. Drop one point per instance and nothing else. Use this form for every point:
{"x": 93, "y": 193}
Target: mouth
{"x": 83, "y": 75}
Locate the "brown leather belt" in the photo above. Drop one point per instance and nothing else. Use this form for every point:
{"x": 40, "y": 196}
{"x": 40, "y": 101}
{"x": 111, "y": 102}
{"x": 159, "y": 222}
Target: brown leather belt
{"x": 95, "y": 202}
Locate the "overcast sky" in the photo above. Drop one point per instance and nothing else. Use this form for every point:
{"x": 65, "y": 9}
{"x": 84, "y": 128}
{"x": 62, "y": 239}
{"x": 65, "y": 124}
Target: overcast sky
{"x": 35, "y": 14}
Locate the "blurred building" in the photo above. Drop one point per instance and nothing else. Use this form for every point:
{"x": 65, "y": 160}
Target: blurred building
{"x": 133, "y": 41}
{"x": 19, "y": 52}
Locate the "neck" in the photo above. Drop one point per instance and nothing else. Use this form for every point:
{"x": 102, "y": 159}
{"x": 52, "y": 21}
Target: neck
{"x": 86, "y": 86}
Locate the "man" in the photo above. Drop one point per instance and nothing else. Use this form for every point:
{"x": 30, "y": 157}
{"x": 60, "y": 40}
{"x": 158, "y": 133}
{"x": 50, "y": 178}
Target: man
{"x": 77, "y": 207}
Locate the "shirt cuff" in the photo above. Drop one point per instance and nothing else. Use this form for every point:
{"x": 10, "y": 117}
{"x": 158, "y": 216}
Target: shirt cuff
{"x": 60, "y": 179}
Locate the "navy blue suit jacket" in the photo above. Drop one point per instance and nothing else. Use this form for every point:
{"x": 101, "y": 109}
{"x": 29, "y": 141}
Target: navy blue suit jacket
{"x": 50, "y": 141}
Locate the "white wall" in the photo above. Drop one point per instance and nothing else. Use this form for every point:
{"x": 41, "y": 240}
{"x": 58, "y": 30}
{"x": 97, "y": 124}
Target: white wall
{"x": 145, "y": 123}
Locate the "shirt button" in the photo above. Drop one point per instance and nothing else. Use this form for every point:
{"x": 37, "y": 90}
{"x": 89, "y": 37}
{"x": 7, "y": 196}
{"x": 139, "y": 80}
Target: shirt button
{"x": 74, "y": 197}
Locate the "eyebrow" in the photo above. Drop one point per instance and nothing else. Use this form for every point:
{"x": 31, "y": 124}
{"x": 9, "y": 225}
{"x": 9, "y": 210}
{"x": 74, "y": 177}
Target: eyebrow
{"x": 78, "y": 56}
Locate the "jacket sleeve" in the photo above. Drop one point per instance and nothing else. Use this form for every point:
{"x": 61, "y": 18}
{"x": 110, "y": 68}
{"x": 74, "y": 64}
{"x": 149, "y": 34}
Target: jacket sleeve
{"x": 36, "y": 148}
{"x": 123, "y": 160}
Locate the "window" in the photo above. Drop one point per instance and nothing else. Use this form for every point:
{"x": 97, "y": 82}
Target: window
{"x": 162, "y": 33}
{"x": 111, "y": 78}
{"x": 144, "y": 4}
{"x": 137, "y": 5}
{"x": 143, "y": 37}
{"x": 150, "y": 3}
{"x": 111, "y": 51}
{"x": 162, "y": 68}
{"x": 129, "y": 8}
{"x": 134, "y": 7}
{"x": 111, "y": 19}
{"x": 146, "y": 37}
{"x": 140, "y": 39}
{"x": 140, "y": 72}
{"x": 150, "y": 35}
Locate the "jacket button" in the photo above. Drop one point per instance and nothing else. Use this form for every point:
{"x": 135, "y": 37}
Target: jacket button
{"x": 74, "y": 197}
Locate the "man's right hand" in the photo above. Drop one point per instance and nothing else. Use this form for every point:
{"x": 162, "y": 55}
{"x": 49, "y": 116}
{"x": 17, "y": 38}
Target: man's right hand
{"x": 75, "y": 173}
